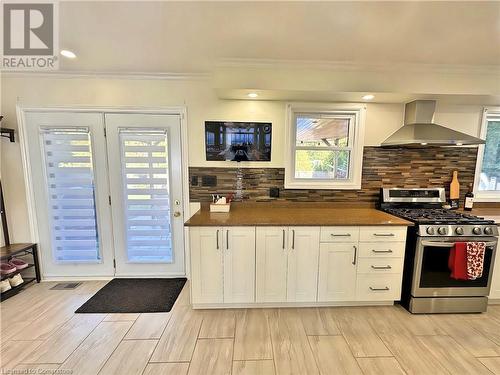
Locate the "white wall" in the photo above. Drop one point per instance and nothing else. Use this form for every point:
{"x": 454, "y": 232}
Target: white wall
{"x": 202, "y": 104}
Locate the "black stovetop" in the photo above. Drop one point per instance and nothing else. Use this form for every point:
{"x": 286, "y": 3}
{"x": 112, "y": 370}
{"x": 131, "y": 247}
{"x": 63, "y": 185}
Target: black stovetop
{"x": 436, "y": 216}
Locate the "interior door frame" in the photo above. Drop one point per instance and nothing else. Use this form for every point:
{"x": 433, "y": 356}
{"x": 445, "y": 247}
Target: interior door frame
{"x": 28, "y": 179}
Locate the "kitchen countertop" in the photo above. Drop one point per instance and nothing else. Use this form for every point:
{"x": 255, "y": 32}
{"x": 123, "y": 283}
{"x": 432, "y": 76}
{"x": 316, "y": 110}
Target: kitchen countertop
{"x": 490, "y": 213}
{"x": 294, "y": 216}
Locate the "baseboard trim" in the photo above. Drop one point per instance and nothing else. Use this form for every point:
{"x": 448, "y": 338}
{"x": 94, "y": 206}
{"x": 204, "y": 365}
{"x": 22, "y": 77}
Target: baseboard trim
{"x": 76, "y": 278}
{"x": 97, "y": 278}
{"x": 289, "y": 304}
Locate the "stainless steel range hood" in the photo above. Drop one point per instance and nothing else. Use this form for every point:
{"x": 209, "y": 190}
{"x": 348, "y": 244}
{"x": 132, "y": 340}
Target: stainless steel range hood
{"x": 420, "y": 130}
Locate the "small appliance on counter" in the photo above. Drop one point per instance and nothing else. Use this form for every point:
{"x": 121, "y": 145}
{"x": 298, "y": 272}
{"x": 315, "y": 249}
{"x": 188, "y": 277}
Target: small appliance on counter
{"x": 430, "y": 283}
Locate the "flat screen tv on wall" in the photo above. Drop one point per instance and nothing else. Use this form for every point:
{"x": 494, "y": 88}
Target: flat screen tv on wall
{"x": 238, "y": 141}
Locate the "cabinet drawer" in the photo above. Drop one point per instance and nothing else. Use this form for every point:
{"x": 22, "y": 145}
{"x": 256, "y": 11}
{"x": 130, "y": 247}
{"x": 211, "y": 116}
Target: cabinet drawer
{"x": 378, "y": 287}
{"x": 381, "y": 250}
{"x": 380, "y": 265}
{"x": 382, "y": 234}
{"x": 339, "y": 234}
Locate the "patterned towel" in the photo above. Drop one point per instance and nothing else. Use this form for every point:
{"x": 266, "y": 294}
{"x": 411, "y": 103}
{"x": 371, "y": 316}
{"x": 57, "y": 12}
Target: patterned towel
{"x": 475, "y": 259}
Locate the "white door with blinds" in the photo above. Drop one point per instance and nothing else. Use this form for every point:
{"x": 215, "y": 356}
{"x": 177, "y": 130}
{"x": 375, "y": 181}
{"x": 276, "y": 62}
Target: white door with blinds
{"x": 107, "y": 191}
{"x": 67, "y": 156}
{"x": 145, "y": 174}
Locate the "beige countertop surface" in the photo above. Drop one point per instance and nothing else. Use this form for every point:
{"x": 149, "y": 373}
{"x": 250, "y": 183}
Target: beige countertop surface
{"x": 490, "y": 213}
{"x": 294, "y": 216}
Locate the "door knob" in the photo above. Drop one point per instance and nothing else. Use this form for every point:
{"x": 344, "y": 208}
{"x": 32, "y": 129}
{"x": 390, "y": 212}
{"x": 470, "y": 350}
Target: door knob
{"x": 177, "y": 214}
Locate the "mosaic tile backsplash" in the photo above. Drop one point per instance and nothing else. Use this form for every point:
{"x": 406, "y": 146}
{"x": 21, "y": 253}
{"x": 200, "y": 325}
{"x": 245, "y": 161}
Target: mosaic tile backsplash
{"x": 382, "y": 167}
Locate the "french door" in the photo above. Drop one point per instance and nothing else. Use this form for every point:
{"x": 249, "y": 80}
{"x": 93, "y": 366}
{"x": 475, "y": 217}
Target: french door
{"x": 145, "y": 174}
{"x": 107, "y": 193}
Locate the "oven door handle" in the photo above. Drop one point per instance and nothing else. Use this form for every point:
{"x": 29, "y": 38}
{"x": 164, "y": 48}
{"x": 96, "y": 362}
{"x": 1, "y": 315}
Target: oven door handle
{"x": 450, "y": 244}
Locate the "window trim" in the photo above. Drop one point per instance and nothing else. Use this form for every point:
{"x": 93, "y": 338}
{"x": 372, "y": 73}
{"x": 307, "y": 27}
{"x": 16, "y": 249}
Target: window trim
{"x": 356, "y": 161}
{"x": 478, "y": 195}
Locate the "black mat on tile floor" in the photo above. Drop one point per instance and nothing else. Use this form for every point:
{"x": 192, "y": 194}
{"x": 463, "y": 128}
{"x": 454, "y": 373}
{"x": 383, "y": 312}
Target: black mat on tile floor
{"x": 135, "y": 296}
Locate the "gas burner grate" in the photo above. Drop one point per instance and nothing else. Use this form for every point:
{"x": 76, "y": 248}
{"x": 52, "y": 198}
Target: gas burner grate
{"x": 436, "y": 216}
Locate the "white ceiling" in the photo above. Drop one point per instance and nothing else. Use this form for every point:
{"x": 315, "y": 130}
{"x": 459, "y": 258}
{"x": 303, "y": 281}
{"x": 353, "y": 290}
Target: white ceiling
{"x": 193, "y": 36}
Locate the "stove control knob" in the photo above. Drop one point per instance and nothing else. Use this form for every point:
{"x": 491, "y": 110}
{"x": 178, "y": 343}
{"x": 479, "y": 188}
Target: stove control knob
{"x": 476, "y": 230}
{"x": 442, "y": 231}
{"x": 430, "y": 230}
{"x": 488, "y": 231}
{"x": 459, "y": 231}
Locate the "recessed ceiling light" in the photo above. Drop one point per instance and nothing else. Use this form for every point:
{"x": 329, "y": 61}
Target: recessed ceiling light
{"x": 368, "y": 97}
{"x": 252, "y": 95}
{"x": 67, "y": 53}
{"x": 423, "y": 143}
{"x": 459, "y": 143}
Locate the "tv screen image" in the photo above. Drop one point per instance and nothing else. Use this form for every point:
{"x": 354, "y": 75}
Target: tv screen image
{"x": 238, "y": 141}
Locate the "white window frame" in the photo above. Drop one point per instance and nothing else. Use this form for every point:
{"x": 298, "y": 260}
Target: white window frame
{"x": 484, "y": 196}
{"x": 356, "y": 159}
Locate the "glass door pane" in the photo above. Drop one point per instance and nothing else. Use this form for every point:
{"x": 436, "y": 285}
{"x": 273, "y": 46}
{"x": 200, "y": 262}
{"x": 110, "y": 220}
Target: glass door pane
{"x": 71, "y": 195}
{"x": 146, "y": 191}
{"x": 435, "y": 272}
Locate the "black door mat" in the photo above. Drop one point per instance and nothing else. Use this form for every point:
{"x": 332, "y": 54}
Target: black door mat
{"x": 135, "y": 296}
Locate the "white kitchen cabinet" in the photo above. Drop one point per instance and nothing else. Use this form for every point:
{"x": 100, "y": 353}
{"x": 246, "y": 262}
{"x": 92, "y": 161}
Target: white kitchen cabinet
{"x": 235, "y": 266}
{"x": 495, "y": 277}
{"x": 222, "y": 264}
{"x": 339, "y": 234}
{"x": 239, "y": 264}
{"x": 382, "y": 234}
{"x": 381, "y": 249}
{"x": 337, "y": 272}
{"x": 206, "y": 264}
{"x": 303, "y": 256}
{"x": 381, "y": 287}
{"x": 271, "y": 264}
{"x": 380, "y": 263}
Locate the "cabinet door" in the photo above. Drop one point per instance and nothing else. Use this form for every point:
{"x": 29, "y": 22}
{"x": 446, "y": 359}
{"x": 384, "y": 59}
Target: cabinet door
{"x": 239, "y": 264}
{"x": 337, "y": 272}
{"x": 303, "y": 254}
{"x": 495, "y": 278}
{"x": 206, "y": 264}
{"x": 271, "y": 267}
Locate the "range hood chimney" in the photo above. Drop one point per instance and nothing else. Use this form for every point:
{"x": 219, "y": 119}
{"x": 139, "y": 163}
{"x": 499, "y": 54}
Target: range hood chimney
{"x": 420, "y": 130}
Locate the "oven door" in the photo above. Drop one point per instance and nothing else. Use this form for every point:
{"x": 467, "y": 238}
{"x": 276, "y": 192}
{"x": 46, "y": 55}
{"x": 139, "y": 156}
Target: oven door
{"x": 432, "y": 277}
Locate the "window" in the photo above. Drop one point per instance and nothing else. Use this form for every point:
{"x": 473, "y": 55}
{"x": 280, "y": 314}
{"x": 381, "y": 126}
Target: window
{"x": 147, "y": 197}
{"x": 324, "y": 147}
{"x": 487, "y": 183}
{"x": 71, "y": 191}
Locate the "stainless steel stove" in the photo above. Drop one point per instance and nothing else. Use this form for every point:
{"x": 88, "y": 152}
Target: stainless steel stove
{"x": 427, "y": 283}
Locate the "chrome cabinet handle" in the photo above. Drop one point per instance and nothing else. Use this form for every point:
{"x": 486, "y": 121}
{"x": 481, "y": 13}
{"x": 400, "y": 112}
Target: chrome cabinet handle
{"x": 384, "y": 234}
{"x": 341, "y": 235}
{"x": 217, "y": 239}
{"x": 283, "y": 239}
{"x": 293, "y": 238}
{"x": 227, "y": 240}
{"x": 381, "y": 251}
{"x": 355, "y": 254}
{"x": 379, "y": 289}
{"x": 382, "y": 267}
